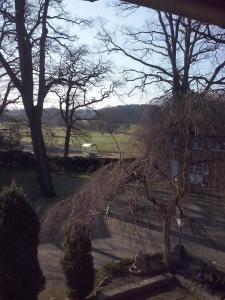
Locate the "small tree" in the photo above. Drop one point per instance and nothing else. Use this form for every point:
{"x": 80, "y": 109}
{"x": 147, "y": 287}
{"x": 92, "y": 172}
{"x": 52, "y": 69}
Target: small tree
{"x": 11, "y": 136}
{"x": 77, "y": 262}
{"x": 20, "y": 274}
{"x": 75, "y": 100}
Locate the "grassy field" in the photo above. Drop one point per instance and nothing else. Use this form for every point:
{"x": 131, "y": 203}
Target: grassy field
{"x": 64, "y": 184}
{"x": 105, "y": 141}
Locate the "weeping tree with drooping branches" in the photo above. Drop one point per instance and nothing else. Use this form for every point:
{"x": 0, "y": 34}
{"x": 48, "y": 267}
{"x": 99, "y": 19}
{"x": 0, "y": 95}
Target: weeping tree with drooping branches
{"x": 127, "y": 188}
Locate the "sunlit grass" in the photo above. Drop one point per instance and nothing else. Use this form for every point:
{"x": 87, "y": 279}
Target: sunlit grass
{"x": 64, "y": 184}
{"x": 105, "y": 142}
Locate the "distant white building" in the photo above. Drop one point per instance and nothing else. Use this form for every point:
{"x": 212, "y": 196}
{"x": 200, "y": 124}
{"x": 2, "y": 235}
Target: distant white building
{"x": 89, "y": 149}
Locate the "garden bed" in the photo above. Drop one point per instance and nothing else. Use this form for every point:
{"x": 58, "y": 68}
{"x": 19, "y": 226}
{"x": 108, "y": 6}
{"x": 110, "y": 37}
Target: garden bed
{"x": 200, "y": 278}
{"x": 201, "y": 274}
{"x": 118, "y": 278}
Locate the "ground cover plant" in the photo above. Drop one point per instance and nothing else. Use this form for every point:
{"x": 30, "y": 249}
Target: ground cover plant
{"x": 118, "y": 268}
{"x": 204, "y": 275}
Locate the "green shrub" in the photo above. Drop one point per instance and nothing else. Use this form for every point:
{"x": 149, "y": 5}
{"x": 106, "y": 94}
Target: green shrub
{"x": 77, "y": 262}
{"x": 20, "y": 274}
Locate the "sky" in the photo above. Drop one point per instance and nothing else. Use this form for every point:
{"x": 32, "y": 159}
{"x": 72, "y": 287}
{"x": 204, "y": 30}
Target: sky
{"x": 113, "y": 17}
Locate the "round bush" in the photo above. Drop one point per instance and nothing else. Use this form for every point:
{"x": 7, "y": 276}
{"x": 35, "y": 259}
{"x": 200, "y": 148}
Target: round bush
{"x": 20, "y": 274}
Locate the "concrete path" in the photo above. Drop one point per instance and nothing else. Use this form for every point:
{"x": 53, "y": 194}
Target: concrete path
{"x": 177, "y": 293}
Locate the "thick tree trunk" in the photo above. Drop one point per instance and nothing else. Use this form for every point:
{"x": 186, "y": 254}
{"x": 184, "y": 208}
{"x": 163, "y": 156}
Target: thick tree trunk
{"x": 67, "y": 142}
{"x": 43, "y": 171}
{"x": 166, "y": 238}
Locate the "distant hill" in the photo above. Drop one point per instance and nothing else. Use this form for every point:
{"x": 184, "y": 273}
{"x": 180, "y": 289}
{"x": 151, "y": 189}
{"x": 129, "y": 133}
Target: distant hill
{"x": 17, "y": 114}
{"x": 122, "y": 114}
{"x": 50, "y": 116}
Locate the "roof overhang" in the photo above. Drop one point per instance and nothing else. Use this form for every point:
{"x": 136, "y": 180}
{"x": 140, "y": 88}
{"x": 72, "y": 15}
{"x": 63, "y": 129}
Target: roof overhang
{"x": 208, "y": 11}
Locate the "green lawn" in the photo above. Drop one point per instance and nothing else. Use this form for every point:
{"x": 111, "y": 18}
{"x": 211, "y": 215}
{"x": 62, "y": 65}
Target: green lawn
{"x": 105, "y": 141}
{"x": 125, "y": 138}
{"x": 64, "y": 184}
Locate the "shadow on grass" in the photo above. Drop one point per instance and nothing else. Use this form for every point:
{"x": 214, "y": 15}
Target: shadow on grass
{"x": 65, "y": 183}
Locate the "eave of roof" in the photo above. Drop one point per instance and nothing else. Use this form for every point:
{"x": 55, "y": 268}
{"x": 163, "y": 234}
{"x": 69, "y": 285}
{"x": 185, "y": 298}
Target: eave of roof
{"x": 208, "y": 11}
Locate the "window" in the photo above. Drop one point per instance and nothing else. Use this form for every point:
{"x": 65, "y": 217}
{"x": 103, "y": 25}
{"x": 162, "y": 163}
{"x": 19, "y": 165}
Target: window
{"x": 197, "y": 144}
{"x": 197, "y": 169}
{"x": 216, "y": 145}
{"x": 213, "y": 144}
{"x": 173, "y": 140}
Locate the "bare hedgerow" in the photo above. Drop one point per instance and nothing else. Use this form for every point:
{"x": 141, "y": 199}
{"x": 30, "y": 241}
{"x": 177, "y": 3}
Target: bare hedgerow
{"x": 127, "y": 188}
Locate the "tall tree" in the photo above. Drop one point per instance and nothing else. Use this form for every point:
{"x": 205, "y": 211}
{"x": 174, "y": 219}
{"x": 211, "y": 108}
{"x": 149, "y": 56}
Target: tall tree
{"x": 31, "y": 31}
{"x": 175, "y": 53}
{"x": 73, "y": 97}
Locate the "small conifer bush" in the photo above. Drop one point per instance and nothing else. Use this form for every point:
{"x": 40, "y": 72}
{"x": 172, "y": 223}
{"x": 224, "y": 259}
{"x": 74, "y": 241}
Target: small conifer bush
{"x": 20, "y": 274}
{"x": 77, "y": 262}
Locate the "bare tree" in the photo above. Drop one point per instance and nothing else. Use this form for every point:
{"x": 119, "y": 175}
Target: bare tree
{"x": 11, "y": 136}
{"x": 209, "y": 33}
{"x": 174, "y": 53}
{"x": 185, "y": 130}
{"x": 31, "y": 32}
{"x": 74, "y": 98}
